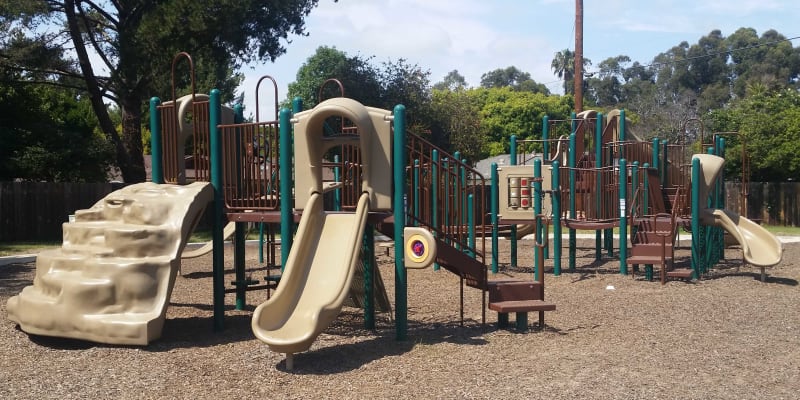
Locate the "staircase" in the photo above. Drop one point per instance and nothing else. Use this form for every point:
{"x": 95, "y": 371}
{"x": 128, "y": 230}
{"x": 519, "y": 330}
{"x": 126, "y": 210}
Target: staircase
{"x": 458, "y": 251}
{"x": 654, "y": 234}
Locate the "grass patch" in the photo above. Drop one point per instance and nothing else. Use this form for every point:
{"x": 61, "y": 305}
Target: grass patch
{"x": 12, "y": 248}
{"x": 204, "y": 235}
{"x": 780, "y": 230}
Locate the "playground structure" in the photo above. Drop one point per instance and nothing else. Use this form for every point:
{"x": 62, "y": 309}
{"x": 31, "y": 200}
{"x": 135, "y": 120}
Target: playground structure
{"x": 651, "y": 190}
{"x": 344, "y": 170}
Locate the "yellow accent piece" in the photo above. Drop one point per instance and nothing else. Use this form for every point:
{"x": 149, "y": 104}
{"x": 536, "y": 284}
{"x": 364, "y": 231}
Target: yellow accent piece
{"x": 412, "y": 234}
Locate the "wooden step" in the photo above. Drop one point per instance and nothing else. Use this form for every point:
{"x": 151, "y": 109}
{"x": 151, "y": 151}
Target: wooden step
{"x": 521, "y": 306}
{"x": 683, "y": 273}
{"x": 510, "y": 290}
{"x": 651, "y": 250}
{"x": 656, "y": 260}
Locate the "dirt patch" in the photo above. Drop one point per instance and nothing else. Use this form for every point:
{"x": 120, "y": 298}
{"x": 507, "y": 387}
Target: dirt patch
{"x": 725, "y": 336}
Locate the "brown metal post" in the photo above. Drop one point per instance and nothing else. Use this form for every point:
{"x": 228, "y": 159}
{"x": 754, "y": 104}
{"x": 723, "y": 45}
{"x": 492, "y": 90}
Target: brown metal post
{"x": 578, "y": 78}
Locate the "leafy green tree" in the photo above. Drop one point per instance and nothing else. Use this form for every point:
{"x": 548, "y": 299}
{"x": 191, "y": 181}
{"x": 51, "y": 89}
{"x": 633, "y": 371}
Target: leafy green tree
{"x": 505, "y": 112}
{"x": 606, "y": 88}
{"x": 769, "y": 60}
{"x": 135, "y": 41}
{"x": 513, "y": 78}
{"x": 452, "y": 81}
{"x": 457, "y": 123}
{"x": 395, "y": 82}
{"x": 768, "y": 124}
{"x": 50, "y": 134}
{"x": 359, "y": 78}
{"x": 407, "y": 84}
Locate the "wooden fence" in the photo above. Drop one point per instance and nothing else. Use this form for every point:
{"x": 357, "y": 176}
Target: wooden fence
{"x": 771, "y": 203}
{"x": 34, "y": 211}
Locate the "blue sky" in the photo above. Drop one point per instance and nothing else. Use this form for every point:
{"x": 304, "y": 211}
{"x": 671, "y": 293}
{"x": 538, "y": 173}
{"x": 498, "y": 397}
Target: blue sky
{"x": 477, "y": 36}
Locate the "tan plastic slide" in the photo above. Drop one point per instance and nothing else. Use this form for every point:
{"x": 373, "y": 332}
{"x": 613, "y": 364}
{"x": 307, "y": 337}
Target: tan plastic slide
{"x": 759, "y": 247}
{"x": 316, "y": 280}
{"x": 112, "y": 278}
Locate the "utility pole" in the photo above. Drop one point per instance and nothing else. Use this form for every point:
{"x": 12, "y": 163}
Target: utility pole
{"x": 578, "y": 78}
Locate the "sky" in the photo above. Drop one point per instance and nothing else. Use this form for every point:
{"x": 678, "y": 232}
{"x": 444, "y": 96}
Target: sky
{"x": 478, "y": 36}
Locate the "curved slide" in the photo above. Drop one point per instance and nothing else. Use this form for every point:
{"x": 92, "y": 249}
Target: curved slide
{"x": 760, "y": 247}
{"x": 316, "y": 280}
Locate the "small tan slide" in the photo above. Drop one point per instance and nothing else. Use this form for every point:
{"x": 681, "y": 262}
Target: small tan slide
{"x": 760, "y": 247}
{"x": 316, "y": 279}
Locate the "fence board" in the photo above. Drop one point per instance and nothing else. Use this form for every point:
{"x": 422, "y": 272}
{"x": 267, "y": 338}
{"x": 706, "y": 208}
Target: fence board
{"x": 35, "y": 210}
{"x": 772, "y": 203}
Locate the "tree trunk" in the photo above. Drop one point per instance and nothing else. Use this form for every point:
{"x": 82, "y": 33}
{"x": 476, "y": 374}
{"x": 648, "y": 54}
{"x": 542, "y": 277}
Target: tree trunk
{"x": 132, "y": 140}
{"x": 129, "y": 147}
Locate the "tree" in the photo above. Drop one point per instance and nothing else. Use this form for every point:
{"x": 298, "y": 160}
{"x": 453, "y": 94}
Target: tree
{"x": 606, "y": 88}
{"x": 457, "y": 123}
{"x": 135, "y": 41}
{"x": 406, "y": 84}
{"x": 452, "y": 81}
{"x": 505, "y": 112}
{"x": 768, "y": 124}
{"x": 563, "y": 66}
{"x": 769, "y": 60}
{"x": 358, "y": 77}
{"x": 513, "y": 78}
{"x": 50, "y": 134}
{"x": 396, "y": 82}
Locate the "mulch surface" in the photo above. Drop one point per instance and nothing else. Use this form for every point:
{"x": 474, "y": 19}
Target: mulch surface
{"x": 726, "y": 336}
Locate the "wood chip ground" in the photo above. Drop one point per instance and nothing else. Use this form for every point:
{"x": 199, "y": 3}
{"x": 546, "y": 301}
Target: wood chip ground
{"x": 727, "y": 336}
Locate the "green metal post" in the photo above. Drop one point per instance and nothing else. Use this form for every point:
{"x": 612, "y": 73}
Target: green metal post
{"x": 368, "y": 260}
{"x": 648, "y": 268}
{"x": 656, "y": 152}
{"x": 494, "y": 204}
{"x": 337, "y": 177}
{"x": 555, "y": 197}
{"x": 156, "y": 149}
{"x": 623, "y": 219}
{"x": 435, "y": 195}
{"x": 697, "y": 247}
{"x": 634, "y": 186}
{"x": 401, "y": 281}
{"x": 622, "y": 126}
{"x": 297, "y": 105}
{"x": 598, "y": 163}
{"x": 218, "y": 254}
{"x": 512, "y": 155}
{"x": 285, "y": 177}
{"x": 537, "y": 209}
{"x": 572, "y": 206}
